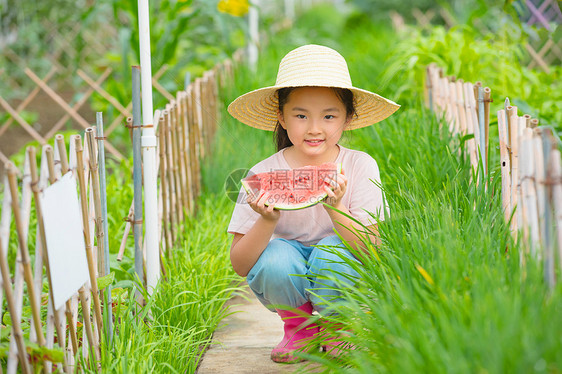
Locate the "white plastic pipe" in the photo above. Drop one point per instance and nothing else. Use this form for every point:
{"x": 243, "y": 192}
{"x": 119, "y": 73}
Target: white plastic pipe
{"x": 253, "y": 20}
{"x": 148, "y": 143}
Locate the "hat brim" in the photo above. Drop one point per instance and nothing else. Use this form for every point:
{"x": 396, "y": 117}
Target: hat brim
{"x": 258, "y": 108}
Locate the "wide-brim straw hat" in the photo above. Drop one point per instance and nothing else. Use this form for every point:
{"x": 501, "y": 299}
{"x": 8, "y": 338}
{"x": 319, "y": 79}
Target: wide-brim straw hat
{"x": 310, "y": 65}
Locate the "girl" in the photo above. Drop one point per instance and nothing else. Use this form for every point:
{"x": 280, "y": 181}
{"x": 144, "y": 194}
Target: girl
{"x": 280, "y": 253}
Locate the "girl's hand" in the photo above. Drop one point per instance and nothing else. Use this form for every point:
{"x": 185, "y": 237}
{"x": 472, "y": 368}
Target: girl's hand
{"x": 257, "y": 203}
{"x": 335, "y": 189}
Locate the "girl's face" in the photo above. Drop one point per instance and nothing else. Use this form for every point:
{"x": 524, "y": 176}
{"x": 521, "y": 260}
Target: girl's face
{"x": 314, "y": 118}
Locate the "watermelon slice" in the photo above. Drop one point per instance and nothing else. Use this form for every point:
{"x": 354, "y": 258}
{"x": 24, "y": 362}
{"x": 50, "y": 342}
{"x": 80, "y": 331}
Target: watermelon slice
{"x": 292, "y": 189}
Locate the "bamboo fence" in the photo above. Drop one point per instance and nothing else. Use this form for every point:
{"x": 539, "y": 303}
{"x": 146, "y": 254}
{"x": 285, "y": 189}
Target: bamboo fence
{"x": 82, "y": 163}
{"x": 185, "y": 128}
{"x": 530, "y": 166}
{"x": 466, "y": 110}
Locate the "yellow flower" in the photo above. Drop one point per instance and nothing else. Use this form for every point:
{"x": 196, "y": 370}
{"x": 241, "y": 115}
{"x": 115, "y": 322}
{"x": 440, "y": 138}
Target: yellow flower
{"x": 237, "y": 8}
{"x": 425, "y": 275}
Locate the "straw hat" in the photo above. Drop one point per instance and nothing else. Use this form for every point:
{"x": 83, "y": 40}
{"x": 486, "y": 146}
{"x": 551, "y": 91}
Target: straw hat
{"x": 309, "y": 65}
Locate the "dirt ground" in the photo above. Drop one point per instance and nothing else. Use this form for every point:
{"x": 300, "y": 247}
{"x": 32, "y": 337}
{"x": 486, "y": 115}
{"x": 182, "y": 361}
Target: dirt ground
{"x": 49, "y": 113}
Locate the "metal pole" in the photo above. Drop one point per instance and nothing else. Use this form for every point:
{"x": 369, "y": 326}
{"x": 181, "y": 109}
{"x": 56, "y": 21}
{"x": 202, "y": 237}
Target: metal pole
{"x": 137, "y": 172}
{"x": 103, "y": 198}
{"x": 148, "y": 141}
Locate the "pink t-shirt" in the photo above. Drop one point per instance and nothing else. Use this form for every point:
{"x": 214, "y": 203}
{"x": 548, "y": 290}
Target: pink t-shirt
{"x": 310, "y": 225}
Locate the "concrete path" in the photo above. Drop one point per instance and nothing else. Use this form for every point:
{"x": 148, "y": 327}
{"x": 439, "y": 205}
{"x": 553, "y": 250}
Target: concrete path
{"x": 244, "y": 340}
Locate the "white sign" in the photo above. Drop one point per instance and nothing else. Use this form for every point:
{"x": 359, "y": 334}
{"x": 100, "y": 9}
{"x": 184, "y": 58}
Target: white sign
{"x": 65, "y": 239}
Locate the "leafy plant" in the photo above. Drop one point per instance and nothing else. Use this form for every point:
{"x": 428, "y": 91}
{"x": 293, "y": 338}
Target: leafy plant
{"x": 494, "y": 60}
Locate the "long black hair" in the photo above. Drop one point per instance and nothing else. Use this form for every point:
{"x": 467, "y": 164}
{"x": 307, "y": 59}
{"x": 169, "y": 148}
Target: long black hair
{"x": 280, "y": 134}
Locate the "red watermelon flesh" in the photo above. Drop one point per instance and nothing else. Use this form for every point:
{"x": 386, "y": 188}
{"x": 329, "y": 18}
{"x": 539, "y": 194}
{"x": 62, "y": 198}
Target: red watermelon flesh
{"x": 292, "y": 189}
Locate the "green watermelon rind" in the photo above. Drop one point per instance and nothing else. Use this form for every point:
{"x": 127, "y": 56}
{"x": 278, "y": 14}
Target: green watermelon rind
{"x": 284, "y": 206}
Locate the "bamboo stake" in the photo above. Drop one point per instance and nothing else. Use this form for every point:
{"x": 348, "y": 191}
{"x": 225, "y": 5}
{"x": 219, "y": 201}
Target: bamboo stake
{"x": 51, "y": 322}
{"x": 482, "y": 130}
{"x": 215, "y": 118}
{"x": 97, "y": 170}
{"x": 430, "y": 101}
{"x": 523, "y": 206}
{"x": 164, "y": 190}
{"x": 529, "y": 197}
{"x": 192, "y": 150}
{"x": 527, "y": 120}
{"x": 181, "y": 169}
{"x": 186, "y": 150}
{"x": 90, "y": 137}
{"x": 539, "y": 176}
{"x": 62, "y": 152}
{"x": 87, "y": 321}
{"x": 17, "y": 332}
{"x": 196, "y": 127}
{"x": 437, "y": 92}
{"x": 171, "y": 177}
{"x": 207, "y": 111}
{"x": 513, "y": 125}
{"x": 461, "y": 105}
{"x": 182, "y": 150}
{"x": 475, "y": 89}
{"x": 534, "y": 123}
{"x": 519, "y": 212}
{"x": 5, "y": 220}
{"x": 25, "y": 213}
{"x": 175, "y": 165}
{"x": 487, "y": 100}
{"x": 454, "y": 108}
{"x": 505, "y": 164}
{"x": 428, "y": 89}
{"x": 87, "y": 239}
{"x": 443, "y": 88}
{"x": 199, "y": 116}
{"x": 475, "y": 126}
{"x": 41, "y": 230}
{"x": 505, "y": 105}
{"x": 22, "y": 240}
{"x": 549, "y": 261}
{"x": 470, "y": 126}
{"x": 557, "y": 198}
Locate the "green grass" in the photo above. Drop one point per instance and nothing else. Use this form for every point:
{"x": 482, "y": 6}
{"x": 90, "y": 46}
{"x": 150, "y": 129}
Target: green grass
{"x": 171, "y": 333}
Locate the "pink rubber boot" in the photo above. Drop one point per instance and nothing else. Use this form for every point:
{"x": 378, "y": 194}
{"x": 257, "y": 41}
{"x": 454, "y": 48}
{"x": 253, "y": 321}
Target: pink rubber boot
{"x": 297, "y": 333}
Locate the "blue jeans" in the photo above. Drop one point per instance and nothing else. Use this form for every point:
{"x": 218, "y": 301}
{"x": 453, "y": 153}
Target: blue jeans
{"x": 291, "y": 274}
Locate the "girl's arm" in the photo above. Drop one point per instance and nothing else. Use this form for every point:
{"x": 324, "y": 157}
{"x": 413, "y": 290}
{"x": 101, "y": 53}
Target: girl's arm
{"x": 247, "y": 248}
{"x": 343, "y": 225}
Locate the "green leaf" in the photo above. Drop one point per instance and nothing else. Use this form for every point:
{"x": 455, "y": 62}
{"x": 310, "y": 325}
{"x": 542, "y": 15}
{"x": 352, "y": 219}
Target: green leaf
{"x": 105, "y": 281}
{"x": 5, "y": 332}
{"x": 44, "y": 353}
{"x": 7, "y": 319}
